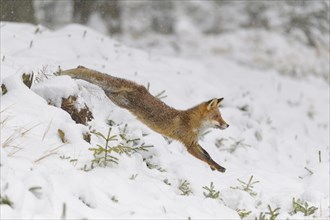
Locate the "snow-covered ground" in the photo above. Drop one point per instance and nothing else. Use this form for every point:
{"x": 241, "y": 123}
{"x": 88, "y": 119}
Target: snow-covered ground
{"x": 279, "y": 134}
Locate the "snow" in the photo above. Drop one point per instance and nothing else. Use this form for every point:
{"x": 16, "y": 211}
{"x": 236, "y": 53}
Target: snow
{"x": 278, "y": 127}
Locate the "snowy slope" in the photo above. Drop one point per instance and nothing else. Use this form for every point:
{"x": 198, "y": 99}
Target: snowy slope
{"x": 279, "y": 134}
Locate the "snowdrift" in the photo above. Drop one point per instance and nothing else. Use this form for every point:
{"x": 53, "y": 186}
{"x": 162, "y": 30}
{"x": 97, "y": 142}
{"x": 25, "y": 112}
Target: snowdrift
{"x": 276, "y": 150}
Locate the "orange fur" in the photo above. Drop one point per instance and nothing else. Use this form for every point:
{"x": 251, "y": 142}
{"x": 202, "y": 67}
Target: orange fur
{"x": 185, "y": 126}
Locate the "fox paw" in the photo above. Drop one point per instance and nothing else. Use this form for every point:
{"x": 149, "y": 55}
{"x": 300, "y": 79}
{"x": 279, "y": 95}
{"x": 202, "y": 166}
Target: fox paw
{"x": 219, "y": 168}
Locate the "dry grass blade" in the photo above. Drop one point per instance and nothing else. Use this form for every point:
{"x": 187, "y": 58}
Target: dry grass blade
{"x": 3, "y": 110}
{"x": 14, "y": 151}
{"x": 44, "y": 156}
{"x": 48, "y": 153}
{"x": 4, "y": 121}
{"x": 47, "y": 129}
{"x": 56, "y": 148}
{"x": 29, "y": 129}
{"x": 18, "y": 133}
{"x": 10, "y": 140}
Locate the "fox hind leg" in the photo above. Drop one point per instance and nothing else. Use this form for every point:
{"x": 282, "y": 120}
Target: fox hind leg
{"x": 119, "y": 98}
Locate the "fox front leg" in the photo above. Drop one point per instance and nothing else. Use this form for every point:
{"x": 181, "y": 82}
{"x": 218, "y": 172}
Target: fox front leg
{"x": 214, "y": 165}
{"x": 200, "y": 153}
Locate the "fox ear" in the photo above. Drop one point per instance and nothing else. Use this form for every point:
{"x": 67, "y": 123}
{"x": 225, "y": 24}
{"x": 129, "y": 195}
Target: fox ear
{"x": 219, "y": 101}
{"x": 212, "y": 104}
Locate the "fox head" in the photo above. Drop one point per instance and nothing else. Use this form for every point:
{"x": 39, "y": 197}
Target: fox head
{"x": 212, "y": 117}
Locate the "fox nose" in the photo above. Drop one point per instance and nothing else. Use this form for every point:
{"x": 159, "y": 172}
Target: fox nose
{"x": 227, "y": 125}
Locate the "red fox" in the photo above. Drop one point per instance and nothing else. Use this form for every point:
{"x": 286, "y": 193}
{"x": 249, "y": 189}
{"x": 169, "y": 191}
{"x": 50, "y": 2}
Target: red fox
{"x": 185, "y": 126}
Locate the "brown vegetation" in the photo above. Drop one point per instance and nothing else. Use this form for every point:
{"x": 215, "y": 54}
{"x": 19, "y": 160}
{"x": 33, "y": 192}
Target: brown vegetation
{"x": 80, "y": 116}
